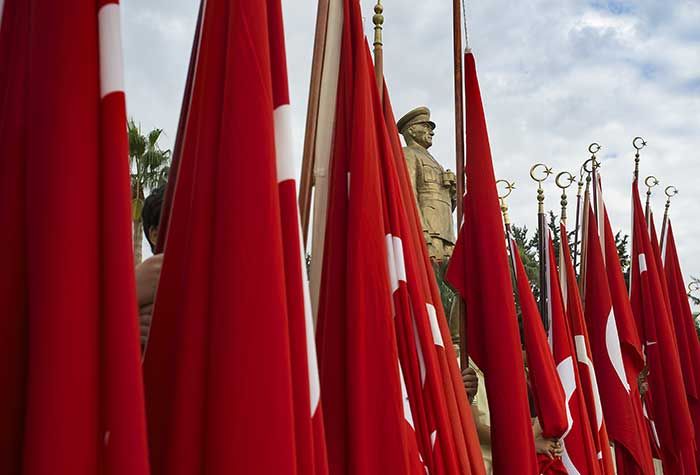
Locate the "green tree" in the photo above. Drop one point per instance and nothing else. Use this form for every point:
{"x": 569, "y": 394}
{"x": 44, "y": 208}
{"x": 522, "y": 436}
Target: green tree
{"x": 149, "y": 169}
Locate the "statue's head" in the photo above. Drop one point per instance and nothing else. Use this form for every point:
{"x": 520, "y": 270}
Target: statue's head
{"x": 417, "y": 128}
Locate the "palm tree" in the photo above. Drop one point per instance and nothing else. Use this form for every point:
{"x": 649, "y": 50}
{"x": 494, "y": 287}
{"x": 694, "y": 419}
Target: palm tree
{"x": 149, "y": 169}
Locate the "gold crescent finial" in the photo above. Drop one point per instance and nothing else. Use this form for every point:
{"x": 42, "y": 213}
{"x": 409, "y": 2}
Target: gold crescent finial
{"x": 651, "y": 181}
{"x": 638, "y": 143}
{"x": 571, "y": 179}
{"x": 693, "y": 286}
{"x": 510, "y": 186}
{"x": 671, "y": 191}
{"x": 546, "y": 171}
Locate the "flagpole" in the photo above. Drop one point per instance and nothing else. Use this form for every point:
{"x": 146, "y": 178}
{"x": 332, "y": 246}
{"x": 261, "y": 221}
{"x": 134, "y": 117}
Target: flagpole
{"x": 579, "y": 198}
{"x": 670, "y": 192}
{"x": 458, "y": 53}
{"x": 378, "y": 20}
{"x": 542, "y": 229}
{"x": 309, "y": 155}
{"x": 650, "y": 182}
{"x": 593, "y": 149}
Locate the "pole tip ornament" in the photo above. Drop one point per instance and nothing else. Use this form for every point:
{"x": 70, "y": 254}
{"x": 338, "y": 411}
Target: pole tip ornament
{"x": 545, "y": 172}
{"x": 638, "y": 143}
{"x": 378, "y": 20}
{"x": 651, "y": 181}
{"x": 558, "y": 180}
{"x": 509, "y": 187}
{"x": 671, "y": 191}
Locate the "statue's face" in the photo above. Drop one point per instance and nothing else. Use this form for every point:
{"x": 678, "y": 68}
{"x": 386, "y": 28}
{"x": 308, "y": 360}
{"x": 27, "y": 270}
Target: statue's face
{"x": 422, "y": 134}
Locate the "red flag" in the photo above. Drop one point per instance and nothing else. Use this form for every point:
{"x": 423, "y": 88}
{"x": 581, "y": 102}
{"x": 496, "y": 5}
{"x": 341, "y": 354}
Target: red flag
{"x": 479, "y": 271}
{"x": 230, "y": 360}
{"x": 669, "y": 402}
{"x": 424, "y": 293}
{"x": 686, "y": 334}
{"x": 617, "y": 388}
{"x": 368, "y": 418}
{"x": 584, "y": 356}
{"x": 579, "y": 450}
{"x": 547, "y": 391}
{"x": 72, "y": 376}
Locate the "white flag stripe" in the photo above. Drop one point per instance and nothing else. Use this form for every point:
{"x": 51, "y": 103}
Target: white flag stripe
{"x": 391, "y": 263}
{"x": 642, "y": 264}
{"x": 565, "y": 369}
{"x": 283, "y": 143}
{"x": 111, "y": 63}
{"x": 435, "y": 325}
{"x": 582, "y": 357}
{"x": 400, "y": 262}
{"x": 612, "y": 344}
{"x": 314, "y": 380}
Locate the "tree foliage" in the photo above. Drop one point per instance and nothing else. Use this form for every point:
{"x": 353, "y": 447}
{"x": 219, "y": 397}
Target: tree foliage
{"x": 149, "y": 166}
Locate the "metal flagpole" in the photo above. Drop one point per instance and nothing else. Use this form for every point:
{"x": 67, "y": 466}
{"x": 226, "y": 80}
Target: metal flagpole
{"x": 542, "y": 229}
{"x": 670, "y": 192}
{"x": 560, "y": 181}
{"x": 638, "y": 143}
{"x": 458, "y": 53}
{"x": 579, "y": 205}
{"x": 651, "y": 181}
{"x": 378, "y": 20}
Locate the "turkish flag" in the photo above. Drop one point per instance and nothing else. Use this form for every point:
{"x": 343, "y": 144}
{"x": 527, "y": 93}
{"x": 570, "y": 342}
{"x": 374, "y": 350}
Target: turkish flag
{"x": 670, "y": 409}
{"x": 686, "y": 334}
{"x": 72, "y": 399}
{"x": 230, "y": 367}
{"x": 427, "y": 307}
{"x": 545, "y": 386}
{"x": 618, "y": 393}
{"x": 584, "y": 357}
{"x": 368, "y": 416}
{"x": 479, "y": 271}
{"x": 580, "y": 454}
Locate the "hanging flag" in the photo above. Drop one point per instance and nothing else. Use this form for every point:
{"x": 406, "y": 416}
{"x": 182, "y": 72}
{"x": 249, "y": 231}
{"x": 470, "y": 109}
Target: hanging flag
{"x": 72, "y": 400}
{"x": 545, "y": 387}
{"x": 686, "y": 334}
{"x": 214, "y": 392}
{"x": 368, "y": 417}
{"x": 579, "y": 451}
{"x": 617, "y": 388}
{"x": 424, "y": 289}
{"x": 669, "y": 401}
{"x": 386, "y": 359}
{"x": 584, "y": 356}
{"x": 630, "y": 345}
{"x": 479, "y": 271}
{"x": 547, "y": 391}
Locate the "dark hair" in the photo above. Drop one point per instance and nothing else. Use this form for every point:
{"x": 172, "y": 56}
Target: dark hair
{"x": 150, "y": 214}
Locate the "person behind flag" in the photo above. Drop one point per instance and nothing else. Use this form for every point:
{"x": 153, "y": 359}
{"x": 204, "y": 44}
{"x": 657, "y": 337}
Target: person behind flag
{"x": 148, "y": 271}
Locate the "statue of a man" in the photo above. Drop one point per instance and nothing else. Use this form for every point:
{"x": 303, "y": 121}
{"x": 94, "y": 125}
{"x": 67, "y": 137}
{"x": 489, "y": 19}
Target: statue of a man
{"x": 434, "y": 187}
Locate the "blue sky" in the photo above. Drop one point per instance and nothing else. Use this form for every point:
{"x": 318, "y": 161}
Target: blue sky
{"x": 555, "y": 76}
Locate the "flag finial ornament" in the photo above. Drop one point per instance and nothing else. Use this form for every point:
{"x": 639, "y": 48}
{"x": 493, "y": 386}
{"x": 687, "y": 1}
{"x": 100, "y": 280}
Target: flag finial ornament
{"x": 378, "y": 20}
{"x": 561, "y": 180}
{"x": 638, "y": 143}
{"x": 546, "y": 171}
{"x": 670, "y": 191}
{"x": 651, "y": 181}
{"x": 509, "y": 187}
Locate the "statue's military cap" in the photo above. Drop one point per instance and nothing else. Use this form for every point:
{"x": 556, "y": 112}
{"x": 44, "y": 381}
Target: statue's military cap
{"x": 419, "y": 115}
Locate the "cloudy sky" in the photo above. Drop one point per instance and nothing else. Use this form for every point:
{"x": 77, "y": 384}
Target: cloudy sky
{"x": 555, "y": 76}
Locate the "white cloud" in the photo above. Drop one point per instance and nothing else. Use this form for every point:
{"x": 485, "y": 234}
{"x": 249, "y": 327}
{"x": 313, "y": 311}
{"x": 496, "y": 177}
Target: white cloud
{"x": 555, "y": 75}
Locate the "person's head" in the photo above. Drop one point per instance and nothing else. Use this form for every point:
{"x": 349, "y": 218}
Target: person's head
{"x": 417, "y": 128}
{"x": 150, "y": 215}
{"x": 643, "y": 381}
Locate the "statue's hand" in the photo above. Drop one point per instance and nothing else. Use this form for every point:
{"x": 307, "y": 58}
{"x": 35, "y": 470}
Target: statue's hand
{"x": 449, "y": 179}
